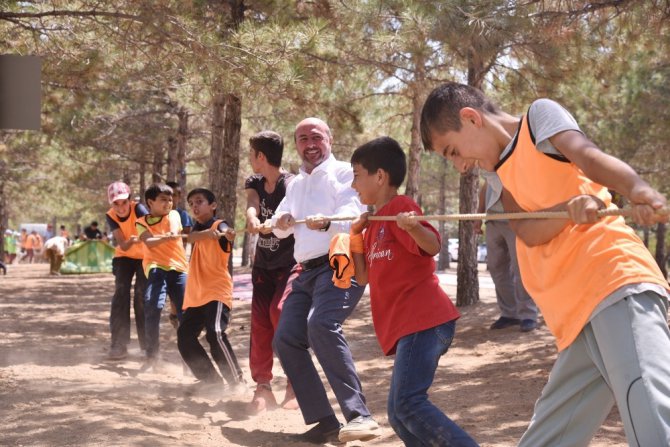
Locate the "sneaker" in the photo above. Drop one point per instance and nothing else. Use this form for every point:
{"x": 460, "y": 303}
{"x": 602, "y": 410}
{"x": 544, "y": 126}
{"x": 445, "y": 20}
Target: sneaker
{"x": 290, "y": 402}
{"x": 117, "y": 353}
{"x": 361, "y": 428}
{"x": 264, "y": 399}
{"x": 528, "y": 325}
{"x": 503, "y": 322}
{"x": 320, "y": 434}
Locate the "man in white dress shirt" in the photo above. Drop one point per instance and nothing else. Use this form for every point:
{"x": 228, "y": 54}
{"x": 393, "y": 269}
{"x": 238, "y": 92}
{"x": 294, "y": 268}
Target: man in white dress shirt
{"x": 314, "y": 311}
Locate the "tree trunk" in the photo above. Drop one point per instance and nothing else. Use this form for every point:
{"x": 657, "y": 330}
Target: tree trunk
{"x": 467, "y": 290}
{"x": 443, "y": 262}
{"x": 143, "y": 180}
{"x": 225, "y": 154}
{"x": 157, "y": 166}
{"x": 171, "y": 175}
{"x": 216, "y": 147}
{"x": 414, "y": 159}
{"x": 182, "y": 143}
{"x": 661, "y": 258}
{"x": 645, "y": 236}
{"x": 231, "y": 156}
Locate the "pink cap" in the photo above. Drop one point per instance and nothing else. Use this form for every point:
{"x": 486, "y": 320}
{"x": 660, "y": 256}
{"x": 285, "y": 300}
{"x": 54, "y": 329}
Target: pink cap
{"x": 117, "y": 191}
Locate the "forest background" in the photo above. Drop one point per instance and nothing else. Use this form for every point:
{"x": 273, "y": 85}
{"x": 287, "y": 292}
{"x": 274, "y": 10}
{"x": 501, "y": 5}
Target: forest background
{"x": 145, "y": 91}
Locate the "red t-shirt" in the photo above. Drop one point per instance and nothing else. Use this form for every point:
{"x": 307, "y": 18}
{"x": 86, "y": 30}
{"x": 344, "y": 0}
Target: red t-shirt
{"x": 405, "y": 293}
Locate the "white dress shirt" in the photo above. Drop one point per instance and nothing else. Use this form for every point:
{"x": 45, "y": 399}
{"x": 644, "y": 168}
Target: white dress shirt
{"x": 327, "y": 191}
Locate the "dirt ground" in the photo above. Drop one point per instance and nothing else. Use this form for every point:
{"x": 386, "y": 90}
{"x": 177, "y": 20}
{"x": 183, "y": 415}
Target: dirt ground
{"x": 56, "y": 389}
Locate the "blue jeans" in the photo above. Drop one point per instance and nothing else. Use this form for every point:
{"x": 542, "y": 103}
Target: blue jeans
{"x": 159, "y": 283}
{"x": 413, "y": 417}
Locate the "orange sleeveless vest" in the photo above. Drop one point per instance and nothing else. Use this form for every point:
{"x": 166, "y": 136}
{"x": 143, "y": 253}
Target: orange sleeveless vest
{"x": 208, "y": 279}
{"x": 128, "y": 229}
{"x": 571, "y": 274}
{"x": 169, "y": 255}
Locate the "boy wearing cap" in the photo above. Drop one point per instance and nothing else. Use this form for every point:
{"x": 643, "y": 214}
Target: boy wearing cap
{"x": 127, "y": 262}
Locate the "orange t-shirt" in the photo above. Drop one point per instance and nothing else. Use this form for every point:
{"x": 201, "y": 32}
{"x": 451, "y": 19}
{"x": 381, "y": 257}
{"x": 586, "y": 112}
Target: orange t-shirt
{"x": 571, "y": 274}
{"x": 168, "y": 255}
{"x": 128, "y": 229}
{"x": 209, "y": 278}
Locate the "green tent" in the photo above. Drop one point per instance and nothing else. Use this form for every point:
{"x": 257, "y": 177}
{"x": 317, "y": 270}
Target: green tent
{"x": 88, "y": 257}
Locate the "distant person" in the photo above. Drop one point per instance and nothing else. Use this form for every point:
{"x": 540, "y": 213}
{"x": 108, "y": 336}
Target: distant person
{"x": 314, "y": 312}
{"x": 186, "y": 225}
{"x": 64, "y": 232}
{"x": 92, "y": 232}
{"x": 164, "y": 263}
{"x": 517, "y": 308}
{"x": 10, "y": 244}
{"x": 209, "y": 295}
{"x": 23, "y": 244}
{"x": 413, "y": 317}
{"x": 599, "y": 289}
{"x": 54, "y": 251}
{"x": 272, "y": 265}
{"x": 127, "y": 263}
{"x": 32, "y": 243}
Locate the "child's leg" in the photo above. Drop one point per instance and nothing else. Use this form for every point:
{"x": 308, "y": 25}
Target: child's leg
{"x": 154, "y": 301}
{"x": 191, "y": 350}
{"x": 176, "y": 286}
{"x": 119, "y": 315}
{"x": 634, "y": 343}
{"x": 138, "y": 301}
{"x": 413, "y": 417}
{"x": 575, "y": 401}
{"x": 261, "y": 355}
{"x": 217, "y": 316}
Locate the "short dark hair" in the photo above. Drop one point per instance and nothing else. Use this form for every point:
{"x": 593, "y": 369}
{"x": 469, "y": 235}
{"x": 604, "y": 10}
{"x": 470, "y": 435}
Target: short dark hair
{"x": 94, "y": 223}
{"x": 206, "y": 193}
{"x": 155, "y": 190}
{"x": 382, "y": 153}
{"x": 174, "y": 186}
{"x": 440, "y": 112}
{"x": 270, "y": 144}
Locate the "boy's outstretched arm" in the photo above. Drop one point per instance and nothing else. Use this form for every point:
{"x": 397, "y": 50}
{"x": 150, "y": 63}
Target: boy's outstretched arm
{"x": 424, "y": 238}
{"x": 612, "y": 173}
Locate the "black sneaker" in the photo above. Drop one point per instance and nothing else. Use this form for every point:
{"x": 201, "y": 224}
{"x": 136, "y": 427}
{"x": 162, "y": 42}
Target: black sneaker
{"x": 504, "y": 322}
{"x": 320, "y": 434}
{"x": 528, "y": 325}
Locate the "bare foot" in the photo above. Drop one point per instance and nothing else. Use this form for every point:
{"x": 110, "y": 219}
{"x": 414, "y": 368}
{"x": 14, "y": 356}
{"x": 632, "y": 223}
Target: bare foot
{"x": 263, "y": 399}
{"x": 290, "y": 402}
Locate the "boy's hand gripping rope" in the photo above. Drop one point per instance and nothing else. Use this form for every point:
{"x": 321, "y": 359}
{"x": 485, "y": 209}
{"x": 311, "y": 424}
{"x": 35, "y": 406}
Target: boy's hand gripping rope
{"x": 626, "y": 212}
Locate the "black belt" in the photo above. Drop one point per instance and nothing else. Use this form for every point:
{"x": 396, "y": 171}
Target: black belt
{"x": 314, "y": 262}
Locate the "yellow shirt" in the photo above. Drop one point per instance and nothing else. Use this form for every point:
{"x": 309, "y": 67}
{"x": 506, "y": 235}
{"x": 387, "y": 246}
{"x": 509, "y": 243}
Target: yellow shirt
{"x": 168, "y": 255}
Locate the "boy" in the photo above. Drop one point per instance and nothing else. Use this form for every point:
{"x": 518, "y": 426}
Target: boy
{"x": 127, "y": 262}
{"x": 598, "y": 287}
{"x": 273, "y": 262}
{"x": 209, "y": 295}
{"x": 186, "y": 225}
{"x": 164, "y": 262}
{"x": 54, "y": 250}
{"x": 413, "y": 317}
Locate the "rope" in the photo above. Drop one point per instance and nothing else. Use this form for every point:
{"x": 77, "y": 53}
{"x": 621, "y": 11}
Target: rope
{"x": 626, "y": 212}
{"x": 494, "y": 216}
